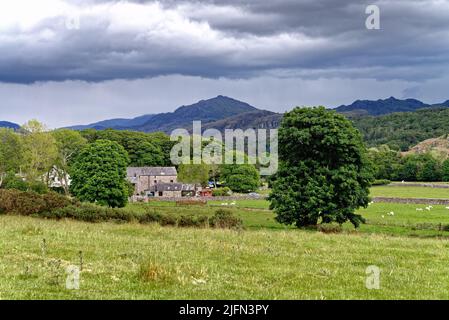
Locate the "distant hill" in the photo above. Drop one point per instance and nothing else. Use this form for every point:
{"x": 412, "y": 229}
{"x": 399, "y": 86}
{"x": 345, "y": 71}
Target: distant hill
{"x": 118, "y": 124}
{"x": 6, "y": 124}
{"x": 379, "y": 121}
{"x": 385, "y": 106}
{"x": 207, "y": 111}
{"x": 437, "y": 146}
{"x": 404, "y": 129}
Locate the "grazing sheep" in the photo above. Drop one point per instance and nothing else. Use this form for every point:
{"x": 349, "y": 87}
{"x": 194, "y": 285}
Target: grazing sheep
{"x": 419, "y": 209}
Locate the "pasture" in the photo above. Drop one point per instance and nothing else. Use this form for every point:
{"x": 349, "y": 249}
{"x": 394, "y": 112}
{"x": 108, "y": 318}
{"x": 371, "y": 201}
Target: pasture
{"x": 410, "y": 192}
{"x": 131, "y": 261}
{"x": 265, "y": 260}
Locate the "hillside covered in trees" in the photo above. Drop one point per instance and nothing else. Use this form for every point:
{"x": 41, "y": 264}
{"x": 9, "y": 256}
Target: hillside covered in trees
{"x": 403, "y": 130}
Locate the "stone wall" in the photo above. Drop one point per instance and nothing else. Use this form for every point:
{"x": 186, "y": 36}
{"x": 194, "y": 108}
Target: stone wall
{"x": 412, "y": 200}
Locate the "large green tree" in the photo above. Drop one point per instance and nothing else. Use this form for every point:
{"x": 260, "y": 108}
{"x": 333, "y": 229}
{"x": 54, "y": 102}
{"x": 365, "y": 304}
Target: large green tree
{"x": 39, "y": 151}
{"x": 324, "y": 173}
{"x": 144, "y": 149}
{"x": 11, "y": 155}
{"x": 99, "y": 174}
{"x": 69, "y": 143}
{"x": 240, "y": 177}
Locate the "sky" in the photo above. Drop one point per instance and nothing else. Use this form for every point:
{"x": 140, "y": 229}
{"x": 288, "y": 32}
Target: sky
{"x": 67, "y": 62}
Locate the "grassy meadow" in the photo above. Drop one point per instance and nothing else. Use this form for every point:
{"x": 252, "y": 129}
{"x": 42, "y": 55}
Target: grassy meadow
{"x": 131, "y": 261}
{"x": 410, "y": 192}
{"x": 265, "y": 260}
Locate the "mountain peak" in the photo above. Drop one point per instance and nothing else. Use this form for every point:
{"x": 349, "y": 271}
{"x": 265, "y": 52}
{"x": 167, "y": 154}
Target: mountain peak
{"x": 382, "y": 106}
{"x": 210, "y": 110}
{"x": 10, "y": 125}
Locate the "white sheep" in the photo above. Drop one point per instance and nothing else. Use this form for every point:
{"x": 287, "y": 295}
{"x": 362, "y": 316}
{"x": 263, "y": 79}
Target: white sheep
{"x": 419, "y": 209}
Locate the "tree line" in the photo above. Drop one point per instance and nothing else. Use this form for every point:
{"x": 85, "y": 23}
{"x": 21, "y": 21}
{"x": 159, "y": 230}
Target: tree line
{"x": 392, "y": 165}
{"x": 91, "y": 164}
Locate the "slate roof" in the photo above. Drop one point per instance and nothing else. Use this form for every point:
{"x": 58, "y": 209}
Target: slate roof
{"x": 151, "y": 171}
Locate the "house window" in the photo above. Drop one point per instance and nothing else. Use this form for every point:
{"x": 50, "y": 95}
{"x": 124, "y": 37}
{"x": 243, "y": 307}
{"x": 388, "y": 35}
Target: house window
{"x": 161, "y": 193}
{"x": 155, "y": 181}
{"x": 171, "y": 181}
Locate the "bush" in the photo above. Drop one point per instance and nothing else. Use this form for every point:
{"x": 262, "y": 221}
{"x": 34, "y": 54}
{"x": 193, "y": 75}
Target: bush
{"x": 199, "y": 202}
{"x": 56, "y": 206}
{"x": 38, "y": 187}
{"x": 221, "y": 192}
{"x": 329, "y": 228}
{"x": 381, "y": 182}
{"x": 13, "y": 182}
{"x": 30, "y": 203}
{"x": 167, "y": 220}
{"x": 225, "y": 219}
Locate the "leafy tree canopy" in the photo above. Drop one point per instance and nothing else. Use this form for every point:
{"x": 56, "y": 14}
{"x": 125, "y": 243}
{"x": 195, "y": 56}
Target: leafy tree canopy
{"x": 324, "y": 174}
{"x": 99, "y": 174}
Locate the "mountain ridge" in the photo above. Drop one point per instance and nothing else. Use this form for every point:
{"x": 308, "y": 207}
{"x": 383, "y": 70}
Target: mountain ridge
{"x": 210, "y": 110}
{"x": 385, "y": 106}
{"x": 10, "y": 125}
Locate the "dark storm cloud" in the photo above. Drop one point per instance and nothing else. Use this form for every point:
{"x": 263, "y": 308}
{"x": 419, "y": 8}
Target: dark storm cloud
{"x": 235, "y": 39}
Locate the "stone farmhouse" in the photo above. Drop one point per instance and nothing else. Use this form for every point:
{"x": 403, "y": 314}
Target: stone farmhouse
{"x": 159, "y": 182}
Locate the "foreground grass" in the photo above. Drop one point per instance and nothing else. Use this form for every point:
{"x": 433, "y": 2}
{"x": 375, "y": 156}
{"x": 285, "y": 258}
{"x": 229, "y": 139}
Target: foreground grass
{"x": 131, "y": 261}
{"x": 410, "y": 192}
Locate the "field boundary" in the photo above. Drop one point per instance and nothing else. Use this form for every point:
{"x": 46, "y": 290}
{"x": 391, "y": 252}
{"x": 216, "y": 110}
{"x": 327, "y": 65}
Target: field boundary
{"x": 412, "y": 184}
{"x": 412, "y": 200}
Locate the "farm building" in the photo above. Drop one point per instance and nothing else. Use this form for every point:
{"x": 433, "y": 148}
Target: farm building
{"x": 159, "y": 182}
{"x": 144, "y": 178}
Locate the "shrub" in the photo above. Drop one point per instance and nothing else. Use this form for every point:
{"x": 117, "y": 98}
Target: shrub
{"x": 221, "y": 192}
{"x": 149, "y": 217}
{"x": 21, "y": 203}
{"x": 199, "y": 202}
{"x": 381, "y": 182}
{"x": 187, "y": 221}
{"x": 329, "y": 228}
{"x": 225, "y": 219}
{"x": 91, "y": 213}
{"x": 13, "y": 182}
{"x": 38, "y": 187}
{"x": 167, "y": 220}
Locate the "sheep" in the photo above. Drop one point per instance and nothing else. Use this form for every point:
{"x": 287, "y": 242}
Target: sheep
{"x": 419, "y": 209}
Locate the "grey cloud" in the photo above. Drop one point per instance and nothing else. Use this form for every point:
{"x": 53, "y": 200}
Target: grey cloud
{"x": 233, "y": 39}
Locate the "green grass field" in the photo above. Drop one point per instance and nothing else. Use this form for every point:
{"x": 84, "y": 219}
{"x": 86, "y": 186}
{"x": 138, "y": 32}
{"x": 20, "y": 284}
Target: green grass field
{"x": 265, "y": 260}
{"x": 410, "y": 192}
{"x": 131, "y": 261}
